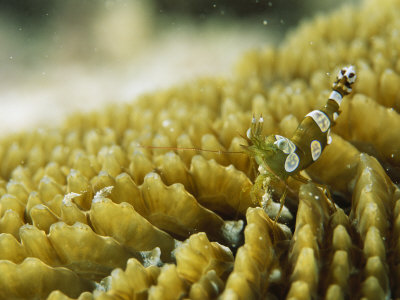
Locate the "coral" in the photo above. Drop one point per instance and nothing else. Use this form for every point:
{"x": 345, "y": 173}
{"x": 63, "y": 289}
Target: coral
{"x": 89, "y": 211}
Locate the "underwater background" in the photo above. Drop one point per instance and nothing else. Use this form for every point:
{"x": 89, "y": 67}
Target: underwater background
{"x": 58, "y": 57}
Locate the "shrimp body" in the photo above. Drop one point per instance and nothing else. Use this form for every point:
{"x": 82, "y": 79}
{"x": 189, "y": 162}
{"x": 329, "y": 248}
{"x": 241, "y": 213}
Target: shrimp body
{"x": 286, "y": 157}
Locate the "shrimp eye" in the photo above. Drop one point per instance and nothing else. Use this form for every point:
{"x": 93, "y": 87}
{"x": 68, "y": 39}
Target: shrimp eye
{"x": 343, "y": 71}
{"x": 351, "y": 75}
{"x": 282, "y": 144}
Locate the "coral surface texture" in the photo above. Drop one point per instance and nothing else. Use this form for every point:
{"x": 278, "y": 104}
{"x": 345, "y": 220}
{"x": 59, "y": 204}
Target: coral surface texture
{"x": 90, "y": 211}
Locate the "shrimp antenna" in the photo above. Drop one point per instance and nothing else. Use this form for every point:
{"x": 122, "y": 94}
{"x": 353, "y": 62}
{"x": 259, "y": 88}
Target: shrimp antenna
{"x": 191, "y": 149}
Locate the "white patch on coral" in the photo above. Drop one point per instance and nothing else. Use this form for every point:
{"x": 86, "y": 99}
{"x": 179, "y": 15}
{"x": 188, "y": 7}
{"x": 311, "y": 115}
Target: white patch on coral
{"x": 231, "y": 231}
{"x": 67, "y": 201}
{"x": 230, "y": 294}
{"x": 151, "y": 258}
{"x": 45, "y": 179}
{"x": 103, "y": 193}
{"x": 105, "y": 284}
{"x": 367, "y": 188}
{"x": 275, "y": 275}
{"x": 262, "y": 170}
{"x": 40, "y": 206}
{"x": 272, "y": 208}
{"x": 286, "y": 230}
{"x": 152, "y": 175}
{"x": 226, "y": 249}
{"x": 214, "y": 285}
{"x": 177, "y": 244}
{"x": 79, "y": 225}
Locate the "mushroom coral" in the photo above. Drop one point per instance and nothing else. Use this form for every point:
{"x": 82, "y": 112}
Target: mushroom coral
{"x": 86, "y": 212}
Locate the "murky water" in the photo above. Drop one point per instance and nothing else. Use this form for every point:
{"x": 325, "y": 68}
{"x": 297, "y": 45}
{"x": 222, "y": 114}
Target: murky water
{"x": 64, "y": 57}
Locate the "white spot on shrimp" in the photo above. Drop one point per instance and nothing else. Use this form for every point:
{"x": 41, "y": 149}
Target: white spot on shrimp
{"x": 321, "y": 119}
{"x": 316, "y": 149}
{"x": 350, "y": 73}
{"x": 292, "y": 162}
{"x": 336, "y": 96}
{"x": 329, "y": 138}
{"x": 286, "y": 145}
{"x": 335, "y": 116}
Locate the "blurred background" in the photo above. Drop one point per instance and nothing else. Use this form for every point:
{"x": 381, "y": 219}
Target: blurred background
{"x": 58, "y": 57}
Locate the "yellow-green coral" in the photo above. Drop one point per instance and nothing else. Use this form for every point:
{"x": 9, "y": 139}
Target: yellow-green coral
{"x": 86, "y": 212}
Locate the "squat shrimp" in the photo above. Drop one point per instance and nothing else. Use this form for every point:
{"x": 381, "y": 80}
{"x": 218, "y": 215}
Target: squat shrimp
{"x": 279, "y": 157}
